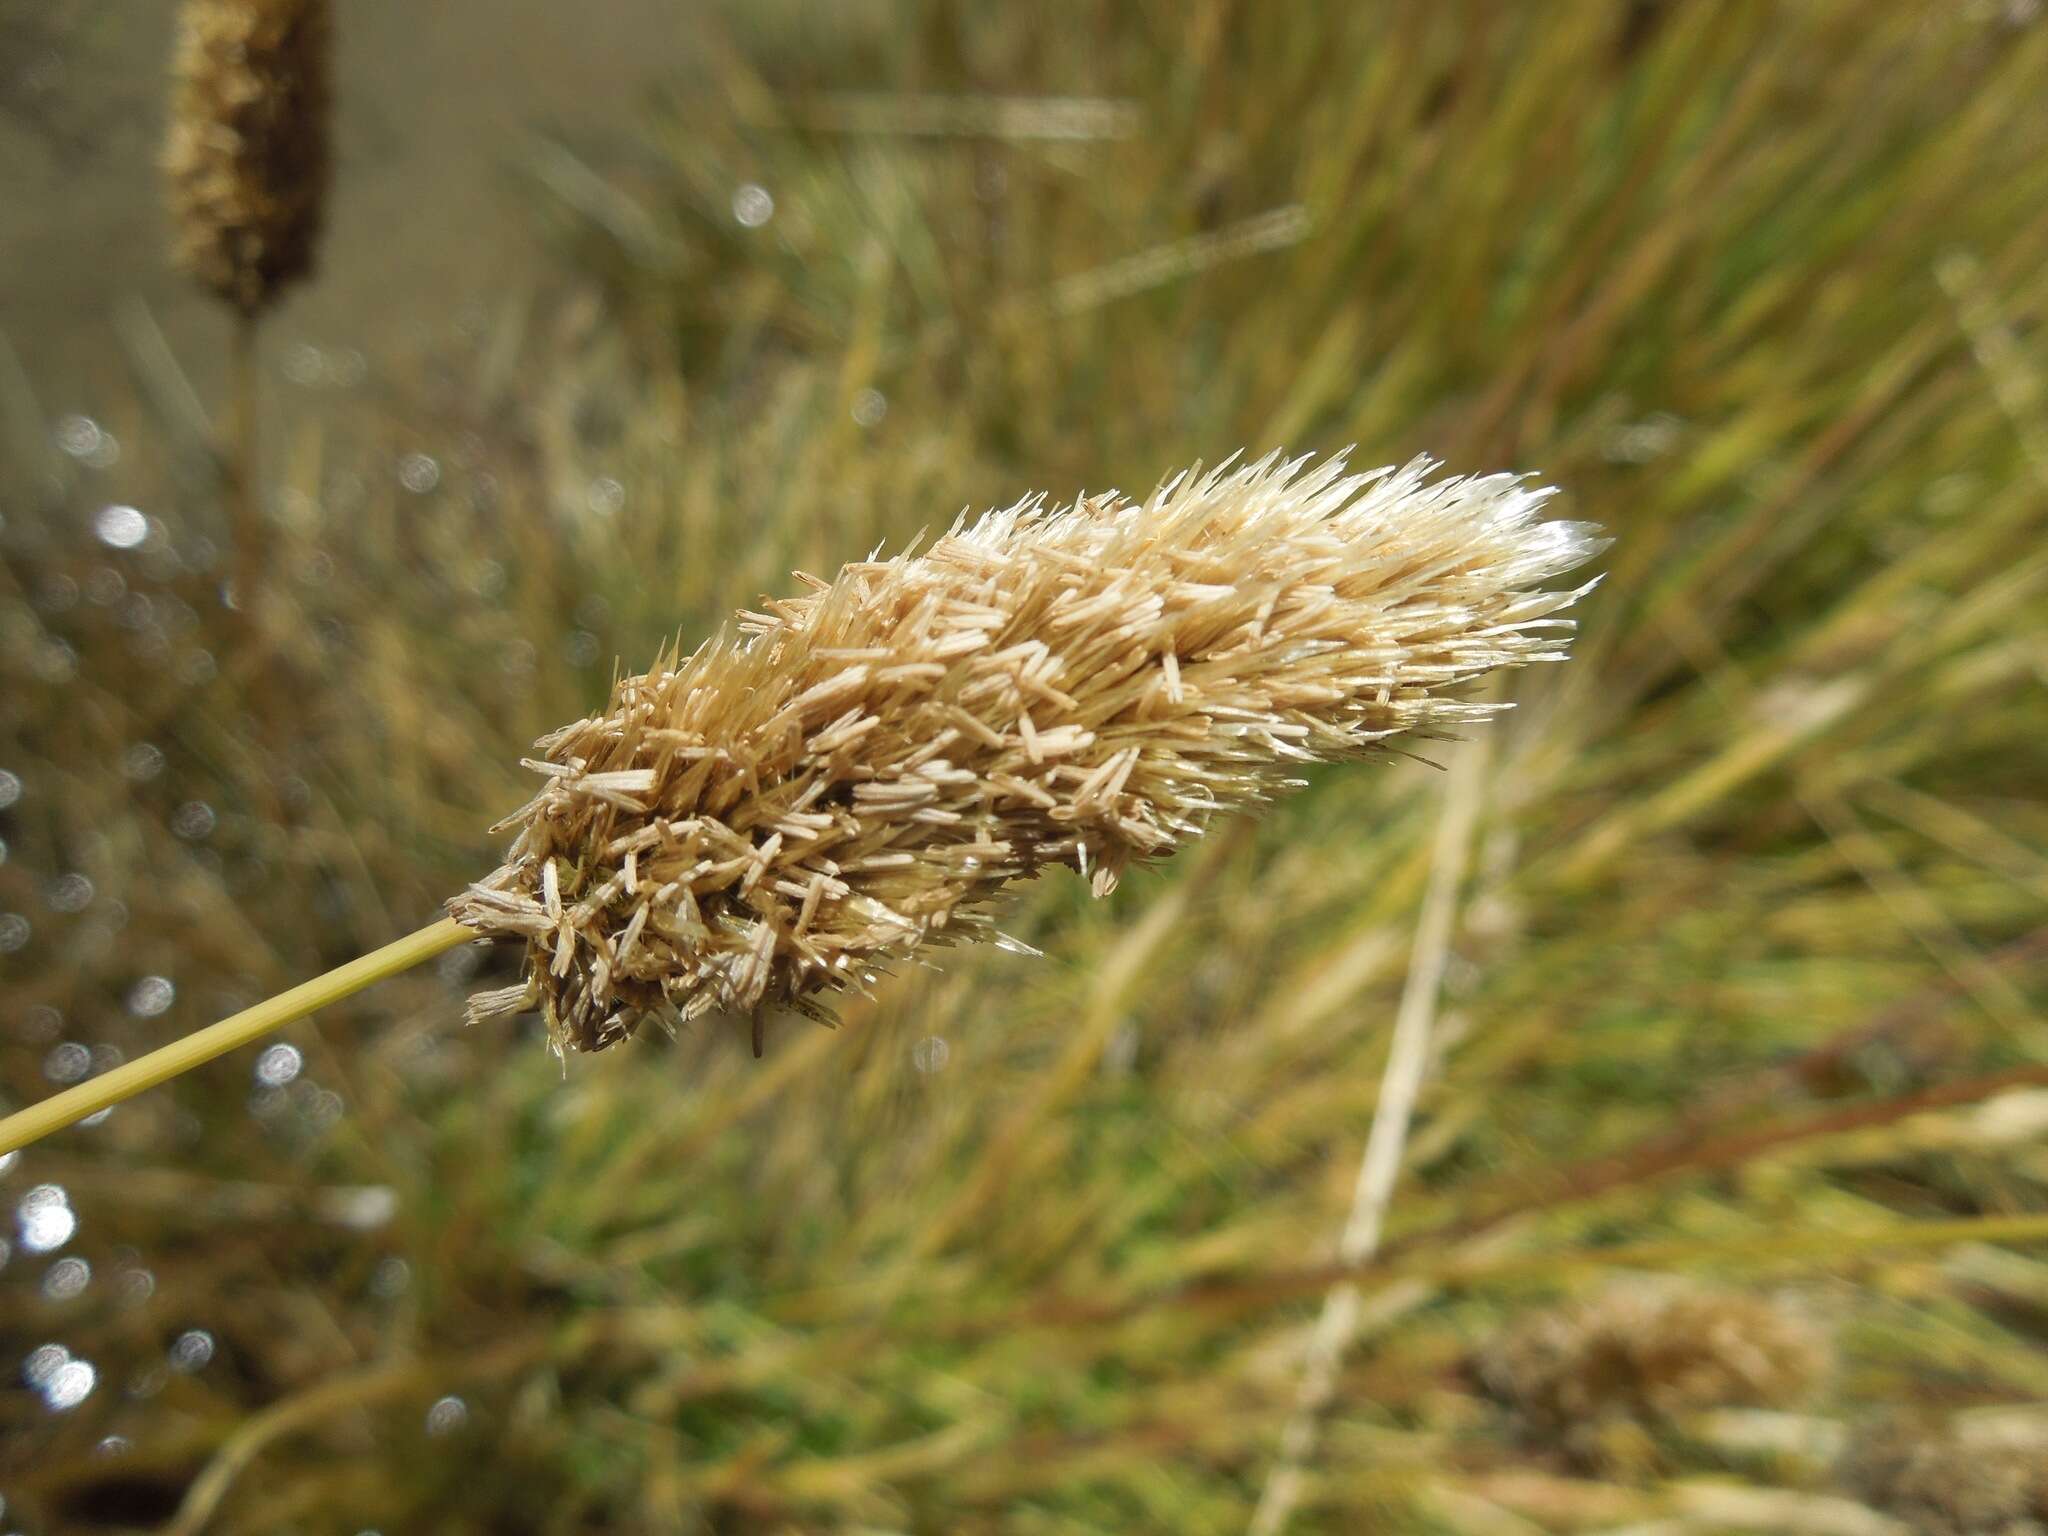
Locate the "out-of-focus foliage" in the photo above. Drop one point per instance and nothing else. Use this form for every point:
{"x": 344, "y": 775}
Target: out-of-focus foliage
{"x": 1032, "y": 1244}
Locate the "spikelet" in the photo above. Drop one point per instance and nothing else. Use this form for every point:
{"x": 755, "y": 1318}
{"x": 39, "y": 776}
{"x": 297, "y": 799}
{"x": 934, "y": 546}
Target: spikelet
{"x": 861, "y": 770}
{"x": 246, "y": 154}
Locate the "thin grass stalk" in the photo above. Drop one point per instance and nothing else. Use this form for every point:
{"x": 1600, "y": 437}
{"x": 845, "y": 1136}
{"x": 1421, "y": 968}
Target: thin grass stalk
{"x": 201, "y": 1046}
{"x": 244, "y": 474}
{"x": 1423, "y": 1254}
{"x": 366, "y": 1387}
{"x": 1380, "y": 1167}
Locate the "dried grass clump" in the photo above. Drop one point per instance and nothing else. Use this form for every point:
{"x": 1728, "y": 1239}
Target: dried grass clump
{"x": 861, "y": 770}
{"x": 247, "y": 153}
{"x": 1589, "y": 1379}
{"x": 1923, "y": 1474}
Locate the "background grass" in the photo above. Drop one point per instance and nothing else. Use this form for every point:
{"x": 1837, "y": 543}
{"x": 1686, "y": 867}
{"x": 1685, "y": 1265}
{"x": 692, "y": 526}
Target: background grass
{"x": 1748, "y": 971}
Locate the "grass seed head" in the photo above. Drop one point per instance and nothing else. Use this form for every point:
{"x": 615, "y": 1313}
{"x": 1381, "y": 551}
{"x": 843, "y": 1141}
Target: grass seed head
{"x": 247, "y": 152}
{"x": 1590, "y": 1380}
{"x": 859, "y": 771}
{"x": 1920, "y": 1472}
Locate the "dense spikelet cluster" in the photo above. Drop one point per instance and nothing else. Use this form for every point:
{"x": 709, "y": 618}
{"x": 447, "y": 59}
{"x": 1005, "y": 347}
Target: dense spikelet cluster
{"x": 860, "y": 770}
{"x": 247, "y": 154}
{"x": 1937, "y": 1483}
{"x": 1586, "y": 1379}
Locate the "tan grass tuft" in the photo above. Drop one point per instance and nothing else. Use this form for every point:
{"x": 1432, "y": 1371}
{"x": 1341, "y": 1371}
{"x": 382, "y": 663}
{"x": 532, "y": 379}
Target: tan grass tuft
{"x": 247, "y": 153}
{"x": 1587, "y": 1380}
{"x": 861, "y": 770}
{"x": 1919, "y": 1471}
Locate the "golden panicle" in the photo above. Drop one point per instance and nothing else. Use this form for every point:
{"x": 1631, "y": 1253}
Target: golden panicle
{"x": 247, "y": 153}
{"x": 861, "y": 770}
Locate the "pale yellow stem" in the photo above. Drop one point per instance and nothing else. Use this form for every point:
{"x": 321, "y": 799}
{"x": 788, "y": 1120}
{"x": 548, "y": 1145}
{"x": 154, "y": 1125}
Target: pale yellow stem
{"x": 167, "y": 1062}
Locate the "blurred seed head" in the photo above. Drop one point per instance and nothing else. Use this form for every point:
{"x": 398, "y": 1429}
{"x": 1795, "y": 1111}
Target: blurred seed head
{"x": 860, "y": 771}
{"x": 247, "y": 152}
{"x": 1920, "y": 1472}
{"x": 1593, "y": 1381}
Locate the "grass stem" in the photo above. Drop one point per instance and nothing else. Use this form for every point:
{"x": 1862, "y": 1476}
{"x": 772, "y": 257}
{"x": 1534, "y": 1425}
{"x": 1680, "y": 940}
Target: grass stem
{"x": 1400, "y": 1087}
{"x": 182, "y": 1055}
{"x": 244, "y": 481}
